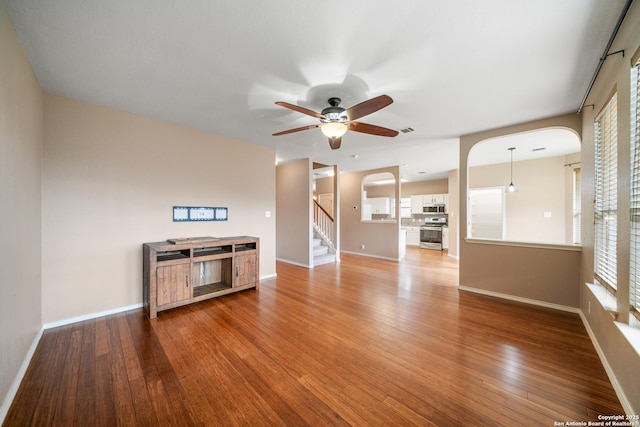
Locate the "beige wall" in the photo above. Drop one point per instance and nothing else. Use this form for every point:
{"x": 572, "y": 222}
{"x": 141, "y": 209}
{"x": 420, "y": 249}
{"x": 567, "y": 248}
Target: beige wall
{"x": 437, "y": 186}
{"x": 20, "y": 207}
{"x": 110, "y": 180}
{"x": 379, "y": 239}
{"x": 542, "y": 187}
{"x": 324, "y": 185}
{"x": 623, "y": 360}
{"x": 381, "y": 191}
{"x": 294, "y": 217}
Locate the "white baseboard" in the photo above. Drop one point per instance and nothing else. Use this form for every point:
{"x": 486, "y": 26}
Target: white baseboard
{"x": 370, "y": 256}
{"x": 520, "y": 299}
{"x": 13, "y": 388}
{"x": 293, "y": 263}
{"x": 626, "y": 405}
{"x": 90, "y": 316}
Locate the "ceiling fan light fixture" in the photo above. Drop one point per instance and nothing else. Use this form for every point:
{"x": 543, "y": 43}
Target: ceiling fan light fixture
{"x": 333, "y": 129}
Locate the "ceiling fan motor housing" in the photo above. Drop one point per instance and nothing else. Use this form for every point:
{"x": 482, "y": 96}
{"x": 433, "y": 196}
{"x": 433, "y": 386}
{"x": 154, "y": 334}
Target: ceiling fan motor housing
{"x": 334, "y": 113}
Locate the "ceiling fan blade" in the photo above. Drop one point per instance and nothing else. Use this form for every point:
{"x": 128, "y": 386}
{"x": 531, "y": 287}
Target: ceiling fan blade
{"x": 334, "y": 143}
{"x": 300, "y": 109}
{"x": 372, "y": 129}
{"x": 284, "y": 132}
{"x": 367, "y": 107}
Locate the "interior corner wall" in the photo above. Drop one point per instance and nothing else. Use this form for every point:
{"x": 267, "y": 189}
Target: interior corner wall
{"x": 20, "y": 208}
{"x": 110, "y": 181}
{"x": 294, "y": 192}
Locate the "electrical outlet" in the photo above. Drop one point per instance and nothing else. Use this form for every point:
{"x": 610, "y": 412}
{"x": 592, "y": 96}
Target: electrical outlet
{"x": 589, "y": 307}
{"x": 362, "y": 246}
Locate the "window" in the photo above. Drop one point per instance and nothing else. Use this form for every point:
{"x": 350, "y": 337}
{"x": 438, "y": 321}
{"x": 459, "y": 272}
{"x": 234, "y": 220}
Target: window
{"x": 606, "y": 203}
{"x": 577, "y": 208}
{"x": 634, "y": 279}
{"x": 486, "y": 213}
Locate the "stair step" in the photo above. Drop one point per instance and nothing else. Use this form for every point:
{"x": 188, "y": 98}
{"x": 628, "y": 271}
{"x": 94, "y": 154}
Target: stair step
{"x": 320, "y": 250}
{"x": 317, "y": 242}
{"x": 324, "y": 259}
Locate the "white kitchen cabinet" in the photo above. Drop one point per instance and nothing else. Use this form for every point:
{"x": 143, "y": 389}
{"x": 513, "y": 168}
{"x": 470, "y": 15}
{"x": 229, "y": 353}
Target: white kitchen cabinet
{"x": 419, "y": 201}
{"x": 433, "y": 199}
{"x": 413, "y": 236}
{"x": 416, "y": 204}
{"x": 379, "y": 205}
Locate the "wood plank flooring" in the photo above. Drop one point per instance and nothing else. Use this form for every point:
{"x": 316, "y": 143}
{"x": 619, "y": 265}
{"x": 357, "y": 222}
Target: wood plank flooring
{"x": 366, "y": 342}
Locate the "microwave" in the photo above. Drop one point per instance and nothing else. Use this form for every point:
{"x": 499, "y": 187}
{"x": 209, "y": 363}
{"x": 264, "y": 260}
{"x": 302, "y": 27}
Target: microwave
{"x": 433, "y": 209}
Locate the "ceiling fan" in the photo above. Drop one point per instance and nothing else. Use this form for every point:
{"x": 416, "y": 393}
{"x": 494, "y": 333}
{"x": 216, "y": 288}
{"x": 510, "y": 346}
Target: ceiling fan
{"x": 335, "y": 120}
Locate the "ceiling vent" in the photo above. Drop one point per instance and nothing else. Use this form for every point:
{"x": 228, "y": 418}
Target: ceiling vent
{"x": 539, "y": 149}
{"x": 407, "y": 130}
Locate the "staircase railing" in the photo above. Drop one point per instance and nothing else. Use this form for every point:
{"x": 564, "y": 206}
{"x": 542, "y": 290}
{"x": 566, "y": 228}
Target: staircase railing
{"x": 323, "y": 223}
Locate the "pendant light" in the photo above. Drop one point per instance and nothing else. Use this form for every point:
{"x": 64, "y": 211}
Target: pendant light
{"x": 512, "y": 188}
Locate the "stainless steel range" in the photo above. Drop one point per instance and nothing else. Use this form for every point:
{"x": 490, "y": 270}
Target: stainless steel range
{"x": 431, "y": 232}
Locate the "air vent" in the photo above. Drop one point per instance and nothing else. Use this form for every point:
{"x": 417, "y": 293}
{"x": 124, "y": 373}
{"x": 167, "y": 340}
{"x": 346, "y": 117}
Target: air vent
{"x": 539, "y": 149}
{"x": 407, "y": 130}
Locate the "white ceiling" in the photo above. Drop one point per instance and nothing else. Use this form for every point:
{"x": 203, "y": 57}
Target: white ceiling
{"x": 452, "y": 68}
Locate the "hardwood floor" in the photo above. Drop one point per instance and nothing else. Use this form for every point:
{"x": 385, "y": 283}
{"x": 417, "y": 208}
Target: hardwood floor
{"x": 364, "y": 342}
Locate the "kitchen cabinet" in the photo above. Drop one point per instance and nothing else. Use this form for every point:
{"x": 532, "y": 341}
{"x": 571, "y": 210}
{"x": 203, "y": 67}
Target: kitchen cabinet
{"x": 419, "y": 201}
{"x": 379, "y": 205}
{"x": 416, "y": 204}
{"x": 434, "y": 199}
{"x": 413, "y": 236}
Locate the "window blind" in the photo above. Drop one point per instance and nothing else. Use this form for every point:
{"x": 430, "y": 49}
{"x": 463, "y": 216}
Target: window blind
{"x": 606, "y": 203}
{"x": 634, "y": 279}
{"x": 577, "y": 208}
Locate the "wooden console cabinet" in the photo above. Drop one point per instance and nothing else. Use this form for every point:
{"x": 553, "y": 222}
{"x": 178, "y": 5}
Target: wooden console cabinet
{"x": 184, "y": 271}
